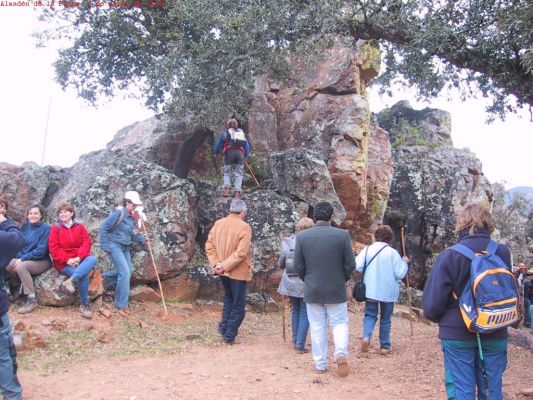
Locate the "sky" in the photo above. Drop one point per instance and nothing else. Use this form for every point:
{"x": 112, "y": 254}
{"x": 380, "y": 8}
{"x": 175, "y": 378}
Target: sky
{"x": 42, "y": 123}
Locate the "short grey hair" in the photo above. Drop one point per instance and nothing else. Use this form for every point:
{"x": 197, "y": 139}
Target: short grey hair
{"x": 237, "y": 206}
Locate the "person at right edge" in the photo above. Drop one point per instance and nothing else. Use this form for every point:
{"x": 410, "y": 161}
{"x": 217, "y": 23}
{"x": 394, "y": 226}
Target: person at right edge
{"x": 324, "y": 259}
{"x": 228, "y": 251}
{"x": 11, "y": 242}
{"x": 451, "y": 273}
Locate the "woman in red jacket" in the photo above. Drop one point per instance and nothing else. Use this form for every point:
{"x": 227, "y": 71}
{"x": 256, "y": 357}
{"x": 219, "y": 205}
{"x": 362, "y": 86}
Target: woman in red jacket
{"x": 70, "y": 248}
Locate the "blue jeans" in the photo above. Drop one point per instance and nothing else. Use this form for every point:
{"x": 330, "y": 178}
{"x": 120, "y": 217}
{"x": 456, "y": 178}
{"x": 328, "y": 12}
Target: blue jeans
{"x": 233, "y": 312}
{"x": 9, "y": 384}
{"x": 531, "y": 316}
{"x": 318, "y": 315}
{"x": 371, "y": 316}
{"x": 462, "y": 368}
{"x": 80, "y": 276}
{"x": 527, "y": 316}
{"x": 300, "y": 323}
{"x": 120, "y": 277}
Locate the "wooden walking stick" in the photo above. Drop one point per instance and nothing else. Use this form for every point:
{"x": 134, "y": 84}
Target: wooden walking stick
{"x": 251, "y": 172}
{"x": 283, "y": 317}
{"x": 409, "y": 302}
{"x": 155, "y": 267}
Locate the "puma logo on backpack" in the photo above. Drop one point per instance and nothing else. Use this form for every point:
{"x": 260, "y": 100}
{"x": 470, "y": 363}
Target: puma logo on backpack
{"x": 235, "y": 137}
{"x": 490, "y": 299}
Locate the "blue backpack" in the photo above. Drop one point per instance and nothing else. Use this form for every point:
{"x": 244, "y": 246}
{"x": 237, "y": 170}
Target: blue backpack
{"x": 490, "y": 299}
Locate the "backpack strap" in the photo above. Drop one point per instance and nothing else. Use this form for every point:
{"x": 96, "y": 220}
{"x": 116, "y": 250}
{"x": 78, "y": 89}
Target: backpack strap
{"x": 492, "y": 247}
{"x": 464, "y": 250}
{"x": 120, "y": 218}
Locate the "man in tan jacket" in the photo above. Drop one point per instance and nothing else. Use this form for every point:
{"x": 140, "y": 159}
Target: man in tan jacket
{"x": 228, "y": 251}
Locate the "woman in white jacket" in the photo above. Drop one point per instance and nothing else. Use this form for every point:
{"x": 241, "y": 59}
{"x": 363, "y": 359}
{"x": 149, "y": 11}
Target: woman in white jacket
{"x": 384, "y": 269}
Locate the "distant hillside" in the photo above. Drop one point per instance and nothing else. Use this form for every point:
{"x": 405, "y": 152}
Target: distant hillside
{"x": 525, "y": 190}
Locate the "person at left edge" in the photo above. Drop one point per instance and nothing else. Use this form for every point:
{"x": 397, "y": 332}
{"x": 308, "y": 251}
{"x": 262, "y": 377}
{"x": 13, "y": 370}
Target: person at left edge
{"x": 11, "y": 242}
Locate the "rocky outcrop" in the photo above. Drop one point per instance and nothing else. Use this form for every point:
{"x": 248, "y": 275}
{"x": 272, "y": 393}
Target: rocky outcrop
{"x": 325, "y": 112}
{"x": 432, "y": 182}
{"x": 303, "y": 175}
{"x": 95, "y": 186}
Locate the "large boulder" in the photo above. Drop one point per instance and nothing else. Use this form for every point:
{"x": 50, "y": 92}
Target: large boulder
{"x": 96, "y": 185}
{"x": 30, "y": 183}
{"x": 432, "y": 182}
{"x": 302, "y": 174}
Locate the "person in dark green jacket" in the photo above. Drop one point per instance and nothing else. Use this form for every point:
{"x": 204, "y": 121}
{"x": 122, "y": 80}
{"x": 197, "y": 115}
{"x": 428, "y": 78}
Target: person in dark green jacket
{"x": 323, "y": 258}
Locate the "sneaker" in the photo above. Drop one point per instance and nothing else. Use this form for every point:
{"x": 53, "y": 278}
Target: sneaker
{"x": 342, "y": 366}
{"x": 67, "y": 286}
{"x": 365, "y": 344}
{"x": 384, "y": 352}
{"x": 28, "y": 307}
{"x": 302, "y": 351}
{"x": 85, "y": 311}
{"x": 320, "y": 371}
{"x": 225, "y": 193}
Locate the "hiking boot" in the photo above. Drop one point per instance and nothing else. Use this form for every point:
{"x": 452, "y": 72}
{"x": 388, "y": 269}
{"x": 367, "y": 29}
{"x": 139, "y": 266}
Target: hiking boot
{"x": 237, "y": 194}
{"x": 85, "y": 311}
{"x": 302, "y": 351}
{"x": 342, "y": 366}
{"x": 67, "y": 286}
{"x": 365, "y": 344}
{"x": 225, "y": 193}
{"x": 28, "y": 307}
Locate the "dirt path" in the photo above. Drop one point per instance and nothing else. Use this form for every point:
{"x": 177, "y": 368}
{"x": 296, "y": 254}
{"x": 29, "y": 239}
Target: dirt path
{"x": 262, "y": 366}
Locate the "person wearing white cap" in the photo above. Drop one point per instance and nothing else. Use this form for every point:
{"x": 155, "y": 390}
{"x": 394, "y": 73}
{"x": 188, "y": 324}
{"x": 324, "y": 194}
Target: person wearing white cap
{"x": 116, "y": 236}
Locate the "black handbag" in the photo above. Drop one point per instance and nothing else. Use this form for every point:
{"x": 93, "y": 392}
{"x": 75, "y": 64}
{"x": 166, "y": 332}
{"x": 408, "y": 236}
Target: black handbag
{"x": 359, "y": 290}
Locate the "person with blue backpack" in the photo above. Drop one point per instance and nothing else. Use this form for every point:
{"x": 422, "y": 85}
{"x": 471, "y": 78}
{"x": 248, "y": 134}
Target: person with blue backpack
{"x": 235, "y": 148}
{"x": 473, "y": 332}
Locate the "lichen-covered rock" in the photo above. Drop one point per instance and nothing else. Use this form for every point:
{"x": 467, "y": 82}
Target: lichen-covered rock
{"x": 432, "y": 182}
{"x": 302, "y": 174}
{"x": 27, "y": 184}
{"x": 96, "y": 185}
{"x": 48, "y": 293}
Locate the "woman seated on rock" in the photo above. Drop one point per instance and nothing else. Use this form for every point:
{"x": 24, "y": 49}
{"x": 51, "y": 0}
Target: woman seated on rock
{"x": 70, "y": 248}
{"x": 32, "y": 260}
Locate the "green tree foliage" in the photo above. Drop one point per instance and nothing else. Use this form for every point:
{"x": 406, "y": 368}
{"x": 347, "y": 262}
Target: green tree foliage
{"x": 199, "y": 57}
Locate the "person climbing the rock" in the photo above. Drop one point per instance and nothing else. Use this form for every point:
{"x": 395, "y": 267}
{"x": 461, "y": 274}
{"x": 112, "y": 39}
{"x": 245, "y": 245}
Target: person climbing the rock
{"x": 235, "y": 148}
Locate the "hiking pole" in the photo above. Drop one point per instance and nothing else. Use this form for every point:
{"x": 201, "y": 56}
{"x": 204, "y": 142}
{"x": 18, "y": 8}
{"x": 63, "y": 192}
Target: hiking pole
{"x": 283, "y": 317}
{"x": 155, "y": 267}
{"x": 251, "y": 172}
{"x": 402, "y": 237}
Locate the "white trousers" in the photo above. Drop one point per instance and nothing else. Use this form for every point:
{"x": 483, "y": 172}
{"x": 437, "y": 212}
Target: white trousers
{"x": 318, "y": 314}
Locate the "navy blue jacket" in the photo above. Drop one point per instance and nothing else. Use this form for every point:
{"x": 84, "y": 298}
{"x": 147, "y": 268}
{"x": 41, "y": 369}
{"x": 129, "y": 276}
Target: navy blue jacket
{"x": 221, "y": 145}
{"x": 35, "y": 242}
{"x": 451, "y": 273}
{"x": 11, "y": 241}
